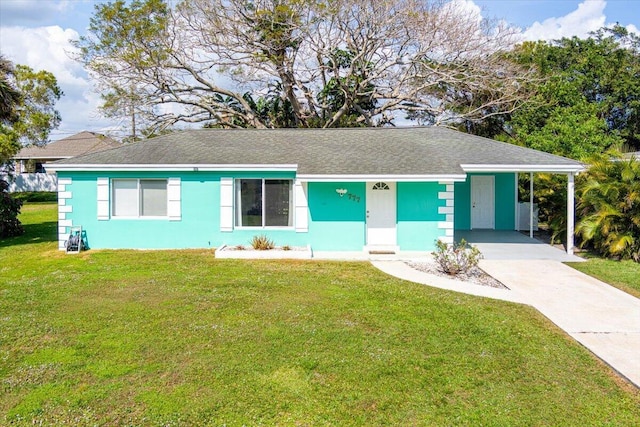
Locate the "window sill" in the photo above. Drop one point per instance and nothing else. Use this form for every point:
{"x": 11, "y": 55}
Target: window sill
{"x": 140, "y": 218}
{"x": 238, "y": 227}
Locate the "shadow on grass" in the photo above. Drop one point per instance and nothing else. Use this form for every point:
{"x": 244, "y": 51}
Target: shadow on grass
{"x": 33, "y": 233}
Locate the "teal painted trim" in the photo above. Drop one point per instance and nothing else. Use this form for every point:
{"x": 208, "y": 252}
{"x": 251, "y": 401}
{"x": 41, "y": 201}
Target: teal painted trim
{"x": 505, "y": 201}
{"x": 337, "y": 223}
{"x": 504, "y": 195}
{"x": 462, "y": 205}
{"x": 417, "y": 215}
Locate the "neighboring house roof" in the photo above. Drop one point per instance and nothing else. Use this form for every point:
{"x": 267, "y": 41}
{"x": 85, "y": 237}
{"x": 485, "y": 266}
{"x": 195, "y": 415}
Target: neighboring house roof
{"x": 401, "y": 153}
{"x": 635, "y": 154}
{"x": 75, "y": 145}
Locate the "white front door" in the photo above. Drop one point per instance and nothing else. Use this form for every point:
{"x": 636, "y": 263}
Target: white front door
{"x": 381, "y": 213}
{"x": 482, "y": 202}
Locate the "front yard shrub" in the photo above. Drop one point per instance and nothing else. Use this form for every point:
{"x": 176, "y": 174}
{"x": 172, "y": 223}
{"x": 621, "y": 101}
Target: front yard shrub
{"x": 456, "y": 258}
{"x": 36, "y": 196}
{"x": 609, "y": 208}
{"x": 262, "y": 243}
{"x": 9, "y": 210}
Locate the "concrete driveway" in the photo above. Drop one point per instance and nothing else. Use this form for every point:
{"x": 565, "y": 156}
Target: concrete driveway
{"x": 602, "y": 318}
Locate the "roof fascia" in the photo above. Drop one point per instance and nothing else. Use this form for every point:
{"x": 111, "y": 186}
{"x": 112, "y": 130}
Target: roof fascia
{"x": 395, "y": 178}
{"x": 524, "y": 168}
{"x": 168, "y": 167}
{"x": 42, "y": 157}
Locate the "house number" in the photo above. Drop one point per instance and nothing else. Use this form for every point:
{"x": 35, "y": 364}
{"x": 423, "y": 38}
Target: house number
{"x": 354, "y": 197}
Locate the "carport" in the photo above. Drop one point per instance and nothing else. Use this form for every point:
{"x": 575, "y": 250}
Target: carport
{"x": 512, "y": 245}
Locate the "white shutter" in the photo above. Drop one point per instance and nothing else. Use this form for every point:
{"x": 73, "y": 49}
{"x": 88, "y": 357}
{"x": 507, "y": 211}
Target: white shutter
{"x": 302, "y": 207}
{"x": 103, "y": 199}
{"x": 226, "y": 204}
{"x": 174, "y": 209}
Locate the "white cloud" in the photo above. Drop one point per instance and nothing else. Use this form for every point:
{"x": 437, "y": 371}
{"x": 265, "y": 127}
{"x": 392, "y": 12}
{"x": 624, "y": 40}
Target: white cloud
{"x": 588, "y": 17}
{"x": 633, "y": 29}
{"x": 49, "y": 48}
{"x": 467, "y": 7}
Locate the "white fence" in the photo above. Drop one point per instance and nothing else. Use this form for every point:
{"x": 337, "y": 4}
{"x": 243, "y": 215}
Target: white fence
{"x": 31, "y": 182}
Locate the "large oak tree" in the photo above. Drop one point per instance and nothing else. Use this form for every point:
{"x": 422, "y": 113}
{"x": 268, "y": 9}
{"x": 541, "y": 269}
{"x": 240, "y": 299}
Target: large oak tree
{"x": 302, "y": 63}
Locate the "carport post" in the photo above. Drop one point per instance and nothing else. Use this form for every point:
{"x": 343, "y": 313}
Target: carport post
{"x": 531, "y": 205}
{"x": 570, "y": 212}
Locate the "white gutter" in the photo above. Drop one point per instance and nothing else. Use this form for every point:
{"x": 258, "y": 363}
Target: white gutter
{"x": 395, "y": 178}
{"x": 524, "y": 168}
{"x": 169, "y": 167}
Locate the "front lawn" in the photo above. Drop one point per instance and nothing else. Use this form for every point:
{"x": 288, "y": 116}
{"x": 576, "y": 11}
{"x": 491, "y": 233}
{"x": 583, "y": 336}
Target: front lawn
{"x": 182, "y": 338}
{"x": 624, "y": 275}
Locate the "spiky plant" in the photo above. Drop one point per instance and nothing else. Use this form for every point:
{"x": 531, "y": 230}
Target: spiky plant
{"x": 609, "y": 208}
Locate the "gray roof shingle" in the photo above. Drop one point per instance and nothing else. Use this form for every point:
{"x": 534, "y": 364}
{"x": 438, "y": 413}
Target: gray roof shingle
{"x": 75, "y": 145}
{"x": 353, "y": 151}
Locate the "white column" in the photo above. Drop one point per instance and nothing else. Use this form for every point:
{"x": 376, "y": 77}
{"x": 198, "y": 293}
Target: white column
{"x": 531, "y": 204}
{"x": 516, "y": 215}
{"x": 570, "y": 212}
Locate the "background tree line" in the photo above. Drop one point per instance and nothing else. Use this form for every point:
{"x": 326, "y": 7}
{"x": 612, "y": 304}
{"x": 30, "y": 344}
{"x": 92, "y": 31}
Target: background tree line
{"x": 27, "y": 116}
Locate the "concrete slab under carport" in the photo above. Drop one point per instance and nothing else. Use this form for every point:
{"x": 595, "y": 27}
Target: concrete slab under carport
{"x": 512, "y": 245}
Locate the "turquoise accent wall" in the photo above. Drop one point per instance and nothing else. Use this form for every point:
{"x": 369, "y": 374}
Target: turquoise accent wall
{"x": 505, "y": 188}
{"x": 418, "y": 215}
{"x": 198, "y": 228}
{"x": 337, "y": 223}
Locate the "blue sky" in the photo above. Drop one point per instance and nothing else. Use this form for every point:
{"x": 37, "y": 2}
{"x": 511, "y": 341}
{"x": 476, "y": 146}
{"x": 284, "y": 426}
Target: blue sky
{"x": 37, "y": 33}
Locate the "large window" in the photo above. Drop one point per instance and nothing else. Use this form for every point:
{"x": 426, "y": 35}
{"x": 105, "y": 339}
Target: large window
{"x": 139, "y": 198}
{"x": 264, "y": 203}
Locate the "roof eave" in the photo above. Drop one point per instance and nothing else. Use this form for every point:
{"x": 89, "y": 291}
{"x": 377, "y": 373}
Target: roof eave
{"x": 382, "y": 177}
{"x": 28, "y": 157}
{"x": 68, "y": 167}
{"x": 557, "y": 168}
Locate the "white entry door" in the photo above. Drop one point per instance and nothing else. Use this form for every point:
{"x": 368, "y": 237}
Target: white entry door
{"x": 381, "y": 213}
{"x": 482, "y": 202}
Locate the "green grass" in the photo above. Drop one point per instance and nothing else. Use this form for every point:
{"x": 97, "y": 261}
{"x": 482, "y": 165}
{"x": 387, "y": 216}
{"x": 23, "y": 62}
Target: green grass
{"x": 181, "y": 338}
{"x": 625, "y": 275}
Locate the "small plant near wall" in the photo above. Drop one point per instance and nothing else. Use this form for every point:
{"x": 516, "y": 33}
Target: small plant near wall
{"x": 262, "y": 243}
{"x": 456, "y": 258}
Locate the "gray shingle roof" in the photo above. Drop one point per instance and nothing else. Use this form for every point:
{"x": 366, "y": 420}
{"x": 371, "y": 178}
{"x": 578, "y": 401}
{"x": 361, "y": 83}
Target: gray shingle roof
{"x": 75, "y": 145}
{"x": 354, "y": 151}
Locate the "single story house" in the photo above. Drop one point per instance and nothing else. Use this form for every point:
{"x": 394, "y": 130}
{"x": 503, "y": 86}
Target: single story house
{"x": 34, "y": 159}
{"x": 370, "y": 189}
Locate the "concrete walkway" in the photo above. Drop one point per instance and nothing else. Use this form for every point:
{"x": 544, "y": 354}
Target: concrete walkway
{"x": 602, "y": 318}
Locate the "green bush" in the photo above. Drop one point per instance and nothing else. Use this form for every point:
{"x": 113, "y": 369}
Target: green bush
{"x": 456, "y": 258}
{"x": 608, "y": 208}
{"x": 36, "y": 196}
{"x": 9, "y": 210}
